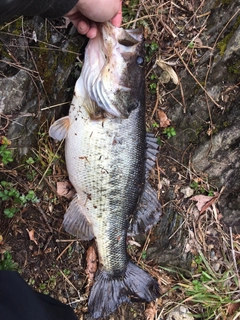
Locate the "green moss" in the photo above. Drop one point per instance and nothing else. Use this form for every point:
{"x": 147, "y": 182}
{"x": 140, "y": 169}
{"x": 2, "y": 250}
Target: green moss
{"x": 48, "y": 62}
{"x": 223, "y": 2}
{"x": 70, "y": 56}
{"x": 17, "y": 27}
{"x": 4, "y": 52}
{"x": 226, "y": 124}
{"x": 215, "y": 130}
{"x": 234, "y": 68}
{"x": 199, "y": 130}
{"x": 222, "y": 45}
{"x": 46, "y": 70}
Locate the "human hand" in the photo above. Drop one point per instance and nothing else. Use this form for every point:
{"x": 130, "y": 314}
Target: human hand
{"x": 87, "y": 12}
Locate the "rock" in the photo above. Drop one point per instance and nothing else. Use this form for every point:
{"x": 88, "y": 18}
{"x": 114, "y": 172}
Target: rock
{"x": 179, "y": 313}
{"x": 208, "y": 131}
{"x": 12, "y": 91}
{"x": 187, "y": 191}
{"x": 36, "y": 63}
{"x": 233, "y": 46}
{"x": 170, "y": 236}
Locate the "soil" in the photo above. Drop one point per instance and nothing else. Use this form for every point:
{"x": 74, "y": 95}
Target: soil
{"x": 49, "y": 259}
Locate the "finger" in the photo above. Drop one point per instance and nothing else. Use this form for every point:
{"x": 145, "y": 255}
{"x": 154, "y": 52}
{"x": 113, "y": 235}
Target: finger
{"x": 83, "y": 26}
{"x": 92, "y": 31}
{"x": 117, "y": 20}
{"x": 88, "y": 28}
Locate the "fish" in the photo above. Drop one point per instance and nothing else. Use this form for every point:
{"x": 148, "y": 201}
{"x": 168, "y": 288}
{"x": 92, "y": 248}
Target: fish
{"x": 108, "y": 157}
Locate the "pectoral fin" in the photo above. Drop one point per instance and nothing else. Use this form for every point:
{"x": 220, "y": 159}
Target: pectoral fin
{"x": 59, "y": 128}
{"x": 75, "y": 221}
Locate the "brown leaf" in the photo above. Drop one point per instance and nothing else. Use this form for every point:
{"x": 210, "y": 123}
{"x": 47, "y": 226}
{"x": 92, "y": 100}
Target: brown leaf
{"x": 5, "y": 141}
{"x": 31, "y": 236}
{"x": 164, "y": 66}
{"x": 150, "y": 311}
{"x": 163, "y": 119}
{"x": 198, "y": 42}
{"x": 65, "y": 189}
{"x": 203, "y": 202}
{"x": 232, "y": 308}
{"x": 91, "y": 259}
{"x": 4, "y": 247}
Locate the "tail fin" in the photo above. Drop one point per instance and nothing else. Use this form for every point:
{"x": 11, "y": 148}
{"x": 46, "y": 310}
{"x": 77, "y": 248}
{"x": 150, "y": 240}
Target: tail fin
{"x": 109, "y": 291}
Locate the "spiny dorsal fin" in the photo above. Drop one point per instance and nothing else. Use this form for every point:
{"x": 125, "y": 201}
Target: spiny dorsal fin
{"x": 148, "y": 210}
{"x": 151, "y": 152}
{"x": 59, "y": 128}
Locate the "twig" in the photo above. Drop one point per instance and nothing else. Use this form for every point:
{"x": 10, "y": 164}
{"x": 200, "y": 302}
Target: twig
{"x": 55, "y": 105}
{"x": 145, "y": 245}
{"x": 183, "y": 98}
{"x": 50, "y": 163}
{"x": 137, "y": 14}
{"x": 177, "y": 229}
{"x": 44, "y": 217}
{"x": 138, "y": 19}
{"x": 200, "y": 85}
{"x": 64, "y": 250}
{"x": 67, "y": 240}
{"x": 166, "y": 27}
{"x": 68, "y": 281}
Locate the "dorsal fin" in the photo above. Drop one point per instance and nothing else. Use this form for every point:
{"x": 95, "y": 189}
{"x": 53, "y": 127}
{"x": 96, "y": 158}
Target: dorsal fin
{"x": 148, "y": 210}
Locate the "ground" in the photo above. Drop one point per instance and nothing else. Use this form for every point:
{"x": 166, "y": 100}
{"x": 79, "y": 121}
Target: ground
{"x": 53, "y": 262}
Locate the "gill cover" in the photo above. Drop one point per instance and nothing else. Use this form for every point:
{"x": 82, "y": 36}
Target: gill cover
{"x": 113, "y": 73}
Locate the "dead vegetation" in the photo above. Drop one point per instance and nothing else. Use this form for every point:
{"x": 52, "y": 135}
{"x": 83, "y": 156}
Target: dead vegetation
{"x": 175, "y": 41}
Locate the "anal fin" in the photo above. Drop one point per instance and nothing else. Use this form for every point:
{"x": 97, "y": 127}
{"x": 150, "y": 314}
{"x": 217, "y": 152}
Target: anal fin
{"x": 75, "y": 221}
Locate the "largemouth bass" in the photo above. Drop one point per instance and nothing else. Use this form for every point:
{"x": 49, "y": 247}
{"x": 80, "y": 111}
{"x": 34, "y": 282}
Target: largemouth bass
{"x": 108, "y": 157}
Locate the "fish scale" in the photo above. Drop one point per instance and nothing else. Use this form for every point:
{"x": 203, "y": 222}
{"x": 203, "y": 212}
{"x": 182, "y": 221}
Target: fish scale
{"x": 110, "y": 173}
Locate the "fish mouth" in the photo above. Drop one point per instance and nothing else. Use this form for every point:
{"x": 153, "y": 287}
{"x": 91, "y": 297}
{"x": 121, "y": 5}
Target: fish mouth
{"x": 112, "y": 73}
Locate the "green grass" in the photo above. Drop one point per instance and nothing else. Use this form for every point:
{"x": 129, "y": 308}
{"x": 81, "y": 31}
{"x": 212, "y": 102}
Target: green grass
{"x": 170, "y": 132}
{"x": 201, "y": 188}
{"x": 151, "y": 49}
{"x": 7, "y": 263}
{"x": 13, "y": 200}
{"x": 210, "y": 291}
{"x": 6, "y": 154}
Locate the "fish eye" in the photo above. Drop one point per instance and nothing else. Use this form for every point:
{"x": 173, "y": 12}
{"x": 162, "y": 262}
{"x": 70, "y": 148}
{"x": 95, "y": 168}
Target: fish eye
{"x": 140, "y": 61}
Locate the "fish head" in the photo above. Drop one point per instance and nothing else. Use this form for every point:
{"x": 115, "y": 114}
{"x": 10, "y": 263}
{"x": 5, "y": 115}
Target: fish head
{"x": 113, "y": 71}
